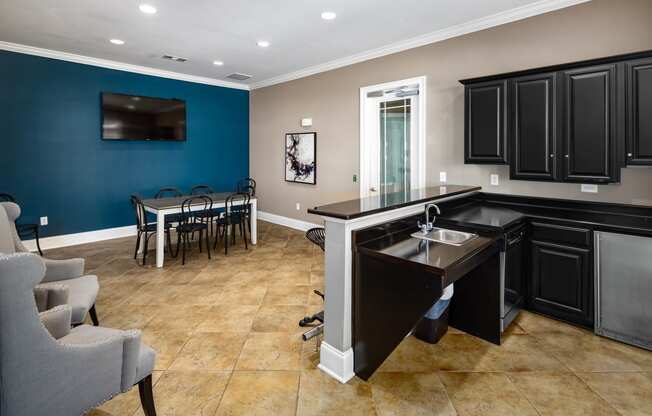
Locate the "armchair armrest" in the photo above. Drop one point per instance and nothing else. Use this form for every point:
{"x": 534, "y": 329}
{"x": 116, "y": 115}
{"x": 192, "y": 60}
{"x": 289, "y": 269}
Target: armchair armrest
{"x": 62, "y": 269}
{"x": 49, "y": 295}
{"x": 57, "y": 320}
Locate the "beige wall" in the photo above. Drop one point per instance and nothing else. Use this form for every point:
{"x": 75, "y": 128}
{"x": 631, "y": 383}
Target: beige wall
{"x": 591, "y": 30}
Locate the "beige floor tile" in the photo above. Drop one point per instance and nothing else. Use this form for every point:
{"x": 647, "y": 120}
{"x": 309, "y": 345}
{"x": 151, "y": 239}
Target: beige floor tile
{"x": 178, "y": 317}
{"x": 210, "y": 351}
{"x": 628, "y": 393}
{"x": 485, "y": 394}
{"x": 260, "y": 393}
{"x": 166, "y": 343}
{"x": 560, "y": 394}
{"x": 189, "y": 393}
{"x": 271, "y": 351}
{"x": 229, "y": 318}
{"x": 153, "y": 294}
{"x": 279, "y": 318}
{"x": 321, "y": 395}
{"x": 399, "y": 394}
{"x": 197, "y": 295}
{"x": 533, "y": 323}
{"x": 242, "y": 295}
{"x": 286, "y": 295}
{"x": 128, "y": 317}
{"x": 519, "y": 353}
{"x": 125, "y": 403}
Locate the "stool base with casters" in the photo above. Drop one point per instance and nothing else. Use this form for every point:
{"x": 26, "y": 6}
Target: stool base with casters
{"x": 318, "y": 237}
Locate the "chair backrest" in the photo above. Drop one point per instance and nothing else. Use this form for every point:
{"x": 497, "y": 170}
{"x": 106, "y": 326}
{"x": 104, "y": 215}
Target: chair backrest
{"x": 317, "y": 236}
{"x": 247, "y": 185}
{"x": 237, "y": 204}
{"x": 139, "y": 209}
{"x": 9, "y": 234}
{"x": 202, "y": 203}
{"x": 170, "y": 192}
{"x": 7, "y": 198}
{"x": 201, "y": 190}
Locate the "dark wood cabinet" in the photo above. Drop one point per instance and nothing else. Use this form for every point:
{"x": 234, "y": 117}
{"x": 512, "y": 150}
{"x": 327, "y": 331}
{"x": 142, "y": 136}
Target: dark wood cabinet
{"x": 639, "y": 111}
{"x": 486, "y": 123}
{"x": 590, "y": 125}
{"x": 533, "y": 127}
{"x": 561, "y": 274}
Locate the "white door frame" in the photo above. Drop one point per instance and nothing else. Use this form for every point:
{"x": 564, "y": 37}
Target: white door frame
{"x": 366, "y": 158}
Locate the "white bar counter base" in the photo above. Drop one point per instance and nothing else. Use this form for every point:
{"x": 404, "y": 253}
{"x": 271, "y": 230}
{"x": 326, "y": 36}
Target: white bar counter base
{"x": 336, "y": 353}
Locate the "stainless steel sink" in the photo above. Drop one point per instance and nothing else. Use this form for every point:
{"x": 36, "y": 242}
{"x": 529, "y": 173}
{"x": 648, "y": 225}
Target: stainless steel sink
{"x": 444, "y": 236}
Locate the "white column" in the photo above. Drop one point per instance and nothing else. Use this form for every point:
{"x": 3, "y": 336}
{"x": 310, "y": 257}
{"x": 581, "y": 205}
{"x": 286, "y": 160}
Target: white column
{"x": 160, "y": 238}
{"x": 254, "y": 221}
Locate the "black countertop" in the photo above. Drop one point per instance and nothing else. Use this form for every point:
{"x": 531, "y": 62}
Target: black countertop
{"x": 361, "y": 207}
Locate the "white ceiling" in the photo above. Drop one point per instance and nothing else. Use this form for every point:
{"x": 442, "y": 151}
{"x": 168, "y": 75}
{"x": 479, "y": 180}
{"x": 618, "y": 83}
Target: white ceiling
{"x": 206, "y": 30}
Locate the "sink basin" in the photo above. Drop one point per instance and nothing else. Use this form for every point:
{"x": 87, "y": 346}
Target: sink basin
{"x": 444, "y": 236}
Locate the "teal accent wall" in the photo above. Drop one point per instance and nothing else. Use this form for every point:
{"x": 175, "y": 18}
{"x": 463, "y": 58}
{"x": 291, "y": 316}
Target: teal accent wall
{"x": 53, "y": 161}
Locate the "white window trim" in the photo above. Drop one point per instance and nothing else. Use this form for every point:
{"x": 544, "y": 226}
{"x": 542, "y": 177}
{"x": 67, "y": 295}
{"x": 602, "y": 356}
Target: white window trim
{"x": 366, "y": 159}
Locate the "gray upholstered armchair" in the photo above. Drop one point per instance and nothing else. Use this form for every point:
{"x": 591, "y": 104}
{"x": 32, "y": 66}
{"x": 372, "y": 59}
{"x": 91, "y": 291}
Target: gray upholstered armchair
{"x": 59, "y": 275}
{"x": 48, "y": 369}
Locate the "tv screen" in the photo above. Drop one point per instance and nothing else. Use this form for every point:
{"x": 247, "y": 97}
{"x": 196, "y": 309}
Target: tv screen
{"x": 132, "y": 117}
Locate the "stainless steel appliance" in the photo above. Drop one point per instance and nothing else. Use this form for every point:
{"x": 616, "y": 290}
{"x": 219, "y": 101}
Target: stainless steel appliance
{"x": 511, "y": 275}
{"x": 623, "y": 286}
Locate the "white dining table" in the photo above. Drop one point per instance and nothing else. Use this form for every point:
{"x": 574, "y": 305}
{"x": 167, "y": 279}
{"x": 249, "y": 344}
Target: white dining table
{"x": 167, "y": 206}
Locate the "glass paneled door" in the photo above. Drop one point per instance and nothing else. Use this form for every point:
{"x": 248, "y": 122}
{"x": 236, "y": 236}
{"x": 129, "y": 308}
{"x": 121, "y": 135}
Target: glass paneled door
{"x": 392, "y": 136}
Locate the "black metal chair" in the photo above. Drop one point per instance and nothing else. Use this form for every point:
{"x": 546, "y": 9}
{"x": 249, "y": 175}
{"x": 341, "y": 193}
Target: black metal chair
{"x": 201, "y": 190}
{"x": 24, "y": 230}
{"x": 236, "y": 212}
{"x": 247, "y": 186}
{"x": 208, "y": 216}
{"x": 170, "y": 192}
{"x": 190, "y": 222}
{"x": 145, "y": 228}
{"x": 318, "y": 237}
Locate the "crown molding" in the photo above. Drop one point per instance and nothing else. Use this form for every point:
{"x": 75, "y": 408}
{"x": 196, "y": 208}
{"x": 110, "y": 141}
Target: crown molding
{"x": 519, "y": 13}
{"x": 120, "y": 66}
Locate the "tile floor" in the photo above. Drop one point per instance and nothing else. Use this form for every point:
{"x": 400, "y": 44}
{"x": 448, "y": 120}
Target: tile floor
{"x": 228, "y": 344}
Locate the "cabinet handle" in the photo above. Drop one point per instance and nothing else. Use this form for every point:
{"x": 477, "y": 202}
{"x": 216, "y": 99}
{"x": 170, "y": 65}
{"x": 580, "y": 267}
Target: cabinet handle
{"x": 566, "y": 156}
{"x": 629, "y": 155}
{"x": 552, "y": 155}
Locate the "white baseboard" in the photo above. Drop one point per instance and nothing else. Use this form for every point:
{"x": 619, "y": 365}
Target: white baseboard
{"x": 286, "y": 221}
{"x": 336, "y": 363}
{"x": 66, "y": 240}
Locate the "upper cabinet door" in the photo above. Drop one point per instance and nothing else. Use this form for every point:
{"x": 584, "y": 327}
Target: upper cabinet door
{"x": 485, "y": 130}
{"x": 639, "y": 112}
{"x": 590, "y": 134}
{"x": 533, "y": 127}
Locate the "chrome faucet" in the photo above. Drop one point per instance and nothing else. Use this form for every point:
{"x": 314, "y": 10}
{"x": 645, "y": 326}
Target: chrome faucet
{"x": 428, "y": 226}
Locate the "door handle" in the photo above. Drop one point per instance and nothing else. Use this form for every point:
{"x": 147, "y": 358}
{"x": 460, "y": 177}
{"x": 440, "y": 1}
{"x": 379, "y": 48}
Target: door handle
{"x": 373, "y": 189}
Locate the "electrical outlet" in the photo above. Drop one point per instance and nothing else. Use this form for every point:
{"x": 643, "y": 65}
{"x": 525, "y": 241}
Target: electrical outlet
{"x": 592, "y": 189}
{"x": 442, "y": 177}
{"x": 44, "y": 220}
{"x": 298, "y": 206}
{"x": 355, "y": 178}
{"x": 493, "y": 179}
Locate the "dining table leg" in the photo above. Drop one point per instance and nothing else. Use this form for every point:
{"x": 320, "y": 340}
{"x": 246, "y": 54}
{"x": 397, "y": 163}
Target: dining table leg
{"x": 254, "y": 222}
{"x": 160, "y": 238}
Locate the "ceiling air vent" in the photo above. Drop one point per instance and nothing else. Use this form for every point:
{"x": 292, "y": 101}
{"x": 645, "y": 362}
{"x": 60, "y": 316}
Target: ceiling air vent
{"x": 174, "y": 58}
{"x": 239, "y": 76}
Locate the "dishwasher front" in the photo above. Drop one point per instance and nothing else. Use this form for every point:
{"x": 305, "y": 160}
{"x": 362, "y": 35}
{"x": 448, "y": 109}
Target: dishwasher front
{"x": 623, "y": 288}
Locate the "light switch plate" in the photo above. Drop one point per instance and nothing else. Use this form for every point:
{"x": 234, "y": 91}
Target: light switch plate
{"x": 493, "y": 179}
{"x": 442, "y": 177}
{"x": 298, "y": 206}
{"x": 44, "y": 220}
{"x": 306, "y": 122}
{"x": 593, "y": 189}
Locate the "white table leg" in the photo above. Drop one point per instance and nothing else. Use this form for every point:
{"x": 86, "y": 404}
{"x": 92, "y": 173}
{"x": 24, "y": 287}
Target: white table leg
{"x": 160, "y": 238}
{"x": 254, "y": 222}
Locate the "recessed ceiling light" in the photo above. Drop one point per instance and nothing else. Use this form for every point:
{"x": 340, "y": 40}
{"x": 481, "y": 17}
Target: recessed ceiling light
{"x": 117, "y": 41}
{"x": 328, "y": 15}
{"x": 147, "y": 9}
{"x": 263, "y": 43}
{"x": 218, "y": 63}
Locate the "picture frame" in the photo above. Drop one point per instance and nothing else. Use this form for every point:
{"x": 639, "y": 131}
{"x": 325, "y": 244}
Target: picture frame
{"x": 301, "y": 157}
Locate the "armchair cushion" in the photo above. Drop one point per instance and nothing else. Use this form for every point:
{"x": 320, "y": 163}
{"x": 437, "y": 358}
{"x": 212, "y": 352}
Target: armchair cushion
{"x": 82, "y": 294}
{"x": 57, "y": 320}
{"x": 49, "y": 295}
{"x": 62, "y": 269}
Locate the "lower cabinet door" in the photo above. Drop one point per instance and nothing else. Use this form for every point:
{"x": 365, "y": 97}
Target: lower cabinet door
{"x": 562, "y": 284}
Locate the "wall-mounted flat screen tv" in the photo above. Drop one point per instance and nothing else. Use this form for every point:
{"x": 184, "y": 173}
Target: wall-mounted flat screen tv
{"x": 133, "y": 117}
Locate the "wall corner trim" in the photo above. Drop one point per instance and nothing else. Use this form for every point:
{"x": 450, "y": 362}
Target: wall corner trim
{"x": 286, "y": 221}
{"x": 119, "y": 66}
{"x": 487, "y": 22}
{"x": 336, "y": 363}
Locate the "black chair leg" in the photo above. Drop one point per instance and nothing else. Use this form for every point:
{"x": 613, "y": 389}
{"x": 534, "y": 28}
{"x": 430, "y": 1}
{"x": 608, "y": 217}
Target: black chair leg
{"x": 226, "y": 240}
{"x": 169, "y": 241}
{"x": 137, "y": 246}
{"x": 176, "y": 253}
{"x": 200, "y": 238}
{"x": 147, "y": 396}
{"x": 93, "y": 313}
{"x": 208, "y": 249}
{"x": 38, "y": 244}
{"x": 243, "y": 230}
{"x": 185, "y": 243}
{"x": 145, "y": 247}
